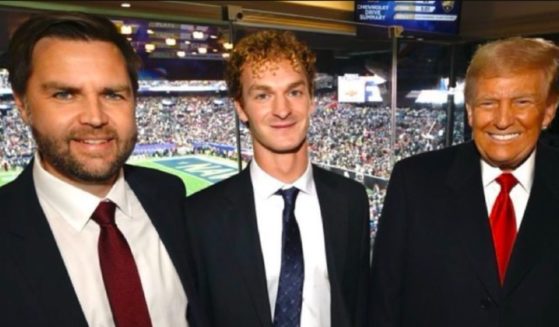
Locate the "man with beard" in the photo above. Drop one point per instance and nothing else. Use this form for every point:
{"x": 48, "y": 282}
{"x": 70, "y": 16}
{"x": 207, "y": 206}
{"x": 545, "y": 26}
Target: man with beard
{"x": 87, "y": 240}
{"x": 284, "y": 242}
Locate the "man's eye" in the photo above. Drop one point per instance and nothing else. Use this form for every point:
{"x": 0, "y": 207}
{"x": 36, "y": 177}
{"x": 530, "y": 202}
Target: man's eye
{"x": 524, "y": 102}
{"x": 296, "y": 93}
{"x": 261, "y": 96}
{"x": 486, "y": 104}
{"x": 62, "y": 95}
{"x": 114, "y": 96}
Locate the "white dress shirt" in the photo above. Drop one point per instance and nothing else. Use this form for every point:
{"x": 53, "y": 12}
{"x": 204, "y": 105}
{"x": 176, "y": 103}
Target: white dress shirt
{"x": 519, "y": 194}
{"x": 68, "y": 210}
{"x": 269, "y": 207}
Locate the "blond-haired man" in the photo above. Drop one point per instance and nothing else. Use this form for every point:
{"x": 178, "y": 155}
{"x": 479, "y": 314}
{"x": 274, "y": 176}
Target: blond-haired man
{"x": 468, "y": 234}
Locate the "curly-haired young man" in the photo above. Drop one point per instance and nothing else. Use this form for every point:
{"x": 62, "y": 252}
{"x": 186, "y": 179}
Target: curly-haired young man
{"x": 284, "y": 242}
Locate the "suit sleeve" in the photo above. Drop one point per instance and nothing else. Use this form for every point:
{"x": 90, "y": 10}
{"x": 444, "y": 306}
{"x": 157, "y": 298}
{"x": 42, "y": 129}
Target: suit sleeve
{"x": 388, "y": 262}
{"x": 193, "y": 232}
{"x": 364, "y": 254}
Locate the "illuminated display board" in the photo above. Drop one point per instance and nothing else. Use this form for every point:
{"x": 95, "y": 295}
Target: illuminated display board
{"x": 441, "y": 17}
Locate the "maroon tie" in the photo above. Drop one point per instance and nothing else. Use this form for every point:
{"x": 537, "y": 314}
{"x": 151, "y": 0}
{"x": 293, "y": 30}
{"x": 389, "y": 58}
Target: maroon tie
{"x": 503, "y": 223}
{"x": 122, "y": 281}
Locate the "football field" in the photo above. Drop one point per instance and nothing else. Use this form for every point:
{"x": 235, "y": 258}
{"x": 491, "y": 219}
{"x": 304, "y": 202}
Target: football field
{"x": 196, "y": 171}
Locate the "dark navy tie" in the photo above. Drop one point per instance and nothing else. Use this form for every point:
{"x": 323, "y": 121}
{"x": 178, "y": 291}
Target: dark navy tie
{"x": 290, "y": 290}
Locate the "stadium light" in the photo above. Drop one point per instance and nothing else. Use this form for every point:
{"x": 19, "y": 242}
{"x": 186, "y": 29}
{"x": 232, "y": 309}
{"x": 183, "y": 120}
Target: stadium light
{"x": 203, "y": 50}
{"x": 432, "y": 97}
{"x": 170, "y": 41}
{"x": 459, "y": 93}
{"x": 378, "y": 79}
{"x": 150, "y": 31}
{"x": 125, "y": 5}
{"x": 181, "y": 54}
{"x": 197, "y": 35}
{"x": 126, "y": 29}
{"x": 149, "y": 47}
{"x": 228, "y": 46}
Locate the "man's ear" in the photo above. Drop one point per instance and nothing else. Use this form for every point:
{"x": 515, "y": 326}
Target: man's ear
{"x": 549, "y": 113}
{"x": 241, "y": 112}
{"x": 470, "y": 114}
{"x": 313, "y": 104}
{"x": 22, "y": 107}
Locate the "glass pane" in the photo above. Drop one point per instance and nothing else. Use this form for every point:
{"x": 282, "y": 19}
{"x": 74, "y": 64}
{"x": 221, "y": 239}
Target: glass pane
{"x": 186, "y": 124}
{"x": 350, "y": 127}
{"x": 186, "y": 120}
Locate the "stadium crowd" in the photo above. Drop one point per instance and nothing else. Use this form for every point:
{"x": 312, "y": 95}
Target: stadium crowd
{"x": 350, "y": 137}
{"x": 357, "y": 137}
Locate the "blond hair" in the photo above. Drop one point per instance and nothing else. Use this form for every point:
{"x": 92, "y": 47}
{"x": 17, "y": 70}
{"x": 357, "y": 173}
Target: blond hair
{"x": 510, "y": 56}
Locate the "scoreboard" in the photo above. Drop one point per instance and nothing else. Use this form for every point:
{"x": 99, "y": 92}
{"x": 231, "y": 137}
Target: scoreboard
{"x": 435, "y": 16}
{"x": 359, "y": 89}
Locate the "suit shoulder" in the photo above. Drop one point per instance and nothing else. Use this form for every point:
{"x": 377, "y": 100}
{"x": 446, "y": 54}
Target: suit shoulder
{"x": 221, "y": 189}
{"x": 7, "y": 188}
{"x": 150, "y": 173}
{"x": 549, "y": 151}
{"x": 432, "y": 160}
{"x": 336, "y": 180}
{"x": 19, "y": 187}
{"x": 162, "y": 181}
{"x": 7, "y": 191}
{"x": 547, "y": 161}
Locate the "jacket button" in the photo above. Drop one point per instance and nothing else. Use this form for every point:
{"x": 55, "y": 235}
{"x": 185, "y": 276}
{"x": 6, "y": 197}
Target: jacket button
{"x": 486, "y": 303}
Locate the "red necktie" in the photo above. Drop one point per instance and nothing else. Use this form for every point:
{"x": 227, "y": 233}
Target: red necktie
{"x": 120, "y": 275}
{"x": 503, "y": 223}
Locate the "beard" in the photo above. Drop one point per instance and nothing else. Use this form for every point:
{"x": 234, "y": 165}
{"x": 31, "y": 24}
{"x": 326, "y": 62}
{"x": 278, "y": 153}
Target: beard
{"x": 56, "y": 152}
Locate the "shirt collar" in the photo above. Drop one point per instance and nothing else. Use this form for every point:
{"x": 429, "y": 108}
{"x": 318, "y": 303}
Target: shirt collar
{"x": 524, "y": 173}
{"x": 265, "y": 185}
{"x": 73, "y": 204}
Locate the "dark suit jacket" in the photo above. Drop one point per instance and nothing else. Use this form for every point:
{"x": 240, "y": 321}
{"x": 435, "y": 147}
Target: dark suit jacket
{"x": 35, "y": 288}
{"x": 433, "y": 259}
{"x": 228, "y": 258}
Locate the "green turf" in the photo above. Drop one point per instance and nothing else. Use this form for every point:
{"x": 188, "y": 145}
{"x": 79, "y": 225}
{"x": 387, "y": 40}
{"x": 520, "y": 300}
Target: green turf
{"x": 193, "y": 183}
{"x": 8, "y": 176}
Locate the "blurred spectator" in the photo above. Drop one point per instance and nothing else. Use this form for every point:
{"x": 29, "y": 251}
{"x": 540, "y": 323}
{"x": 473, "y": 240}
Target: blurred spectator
{"x": 353, "y": 137}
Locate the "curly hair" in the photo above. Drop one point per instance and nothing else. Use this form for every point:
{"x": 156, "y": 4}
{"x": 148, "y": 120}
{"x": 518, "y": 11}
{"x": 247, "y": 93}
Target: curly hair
{"x": 264, "y": 47}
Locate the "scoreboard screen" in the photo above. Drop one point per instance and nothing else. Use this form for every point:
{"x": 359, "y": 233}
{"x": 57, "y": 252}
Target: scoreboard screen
{"x": 359, "y": 89}
{"x": 435, "y": 16}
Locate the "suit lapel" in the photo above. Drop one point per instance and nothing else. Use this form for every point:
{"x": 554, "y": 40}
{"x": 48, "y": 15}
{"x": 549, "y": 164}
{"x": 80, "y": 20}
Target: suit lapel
{"x": 167, "y": 218}
{"x": 333, "y": 210}
{"x": 243, "y": 231}
{"x": 36, "y": 255}
{"x": 539, "y": 228}
{"x": 469, "y": 212}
